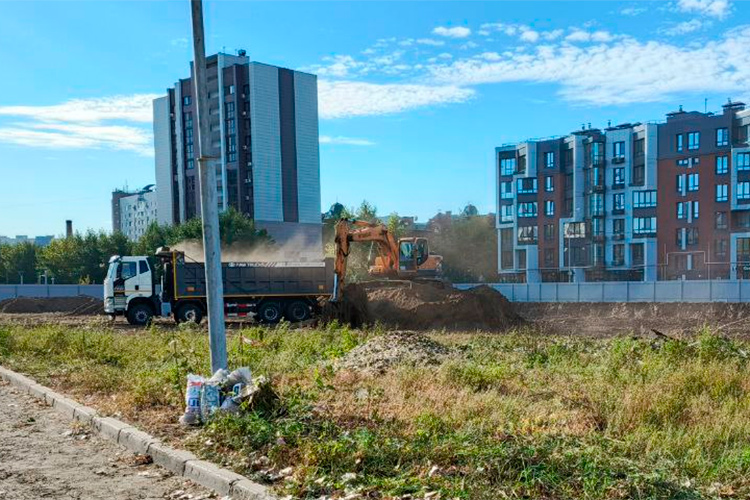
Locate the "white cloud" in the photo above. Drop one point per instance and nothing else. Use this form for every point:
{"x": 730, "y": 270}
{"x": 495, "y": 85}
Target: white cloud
{"x": 529, "y": 35}
{"x": 552, "y": 35}
{"x": 445, "y": 55}
{"x": 684, "y": 28}
{"x": 633, "y": 11}
{"x": 455, "y": 32}
{"x": 347, "y": 141}
{"x": 713, "y": 8}
{"x": 490, "y": 56}
{"x": 83, "y": 124}
{"x": 507, "y": 29}
{"x": 579, "y": 35}
{"x": 181, "y": 42}
{"x": 430, "y": 41}
{"x": 407, "y": 42}
{"x": 622, "y": 71}
{"x": 341, "y": 99}
{"x": 469, "y": 45}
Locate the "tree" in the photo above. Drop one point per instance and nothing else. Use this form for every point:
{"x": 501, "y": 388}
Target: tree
{"x": 154, "y": 236}
{"x": 18, "y": 263}
{"x": 82, "y": 258}
{"x": 469, "y": 211}
{"x": 469, "y": 248}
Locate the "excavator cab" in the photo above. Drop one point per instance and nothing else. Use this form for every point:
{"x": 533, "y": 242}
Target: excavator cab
{"x": 413, "y": 252}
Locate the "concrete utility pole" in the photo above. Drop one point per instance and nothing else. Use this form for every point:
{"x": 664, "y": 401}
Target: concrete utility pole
{"x": 209, "y": 200}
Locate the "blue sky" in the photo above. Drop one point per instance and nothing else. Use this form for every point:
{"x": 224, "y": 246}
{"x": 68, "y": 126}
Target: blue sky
{"x": 414, "y": 96}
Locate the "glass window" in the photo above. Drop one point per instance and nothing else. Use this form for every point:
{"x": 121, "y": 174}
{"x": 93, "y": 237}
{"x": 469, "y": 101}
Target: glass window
{"x": 696, "y": 209}
{"x": 128, "y": 270}
{"x": 229, "y": 110}
{"x": 507, "y": 166}
{"x": 186, "y": 100}
{"x": 549, "y": 208}
{"x": 692, "y": 235}
{"x": 722, "y": 137}
{"x": 596, "y": 204}
{"x": 618, "y": 201}
{"x": 722, "y": 165}
{"x": 619, "y": 176}
{"x": 549, "y": 232}
{"x": 644, "y": 199}
{"x": 618, "y": 226}
{"x": 618, "y": 255}
{"x": 681, "y": 210}
{"x": 143, "y": 267}
{"x": 549, "y": 184}
{"x": 506, "y": 190}
{"x": 694, "y": 140}
{"x": 693, "y": 182}
{"x": 722, "y": 191}
{"x": 721, "y": 220}
{"x": 527, "y": 235}
{"x": 720, "y": 248}
{"x": 680, "y": 142}
{"x": 644, "y": 225}
{"x": 743, "y": 161}
{"x": 506, "y": 213}
{"x": 549, "y": 257}
{"x": 637, "y": 254}
{"x": 526, "y": 186}
{"x": 549, "y": 159}
{"x": 619, "y": 149}
{"x": 527, "y": 209}
{"x": 743, "y": 190}
{"x": 680, "y": 183}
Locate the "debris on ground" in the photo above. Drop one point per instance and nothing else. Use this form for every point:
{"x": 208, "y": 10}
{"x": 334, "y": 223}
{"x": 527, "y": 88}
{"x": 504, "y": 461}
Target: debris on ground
{"x": 81, "y": 305}
{"x": 416, "y": 305}
{"x": 378, "y": 354}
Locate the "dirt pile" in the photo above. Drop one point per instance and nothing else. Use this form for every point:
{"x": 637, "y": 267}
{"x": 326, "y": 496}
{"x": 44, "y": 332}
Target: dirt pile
{"x": 74, "y": 306}
{"x": 428, "y": 306}
{"x": 380, "y": 353}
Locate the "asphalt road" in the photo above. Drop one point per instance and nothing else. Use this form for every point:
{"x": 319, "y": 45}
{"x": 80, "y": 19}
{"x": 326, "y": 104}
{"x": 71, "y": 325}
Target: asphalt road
{"x": 43, "y": 455}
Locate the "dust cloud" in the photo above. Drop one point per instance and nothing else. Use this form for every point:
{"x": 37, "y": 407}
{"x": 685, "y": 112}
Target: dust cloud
{"x": 297, "y": 249}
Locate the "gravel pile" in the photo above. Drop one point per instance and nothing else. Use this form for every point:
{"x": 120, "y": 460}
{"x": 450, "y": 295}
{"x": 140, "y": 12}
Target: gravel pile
{"x": 378, "y": 354}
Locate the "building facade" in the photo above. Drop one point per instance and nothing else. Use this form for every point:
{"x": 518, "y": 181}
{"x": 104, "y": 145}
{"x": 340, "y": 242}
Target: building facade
{"x": 636, "y": 202}
{"x": 264, "y": 136}
{"x": 133, "y": 211}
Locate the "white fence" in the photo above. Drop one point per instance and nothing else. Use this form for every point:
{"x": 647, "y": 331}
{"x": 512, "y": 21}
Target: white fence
{"x": 626, "y": 291}
{"x": 13, "y": 291}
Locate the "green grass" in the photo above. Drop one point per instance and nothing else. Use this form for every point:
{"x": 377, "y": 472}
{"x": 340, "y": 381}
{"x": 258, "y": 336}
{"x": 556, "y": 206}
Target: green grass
{"x": 507, "y": 416}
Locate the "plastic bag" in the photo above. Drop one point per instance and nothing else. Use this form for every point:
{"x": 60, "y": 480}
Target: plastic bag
{"x": 192, "y": 415}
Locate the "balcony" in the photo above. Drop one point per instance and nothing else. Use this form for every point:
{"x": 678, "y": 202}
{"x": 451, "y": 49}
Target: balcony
{"x": 618, "y": 159}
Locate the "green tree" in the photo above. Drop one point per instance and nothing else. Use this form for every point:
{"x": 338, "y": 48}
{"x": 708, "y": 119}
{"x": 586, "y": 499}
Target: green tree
{"x": 154, "y": 236}
{"x": 18, "y": 263}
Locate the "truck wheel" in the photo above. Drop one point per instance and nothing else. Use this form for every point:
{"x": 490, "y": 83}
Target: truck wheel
{"x": 297, "y": 311}
{"x": 140, "y": 315}
{"x": 189, "y": 313}
{"x": 269, "y": 312}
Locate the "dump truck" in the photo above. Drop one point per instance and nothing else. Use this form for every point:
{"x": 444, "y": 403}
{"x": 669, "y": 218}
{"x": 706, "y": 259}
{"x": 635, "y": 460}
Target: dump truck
{"x": 267, "y": 291}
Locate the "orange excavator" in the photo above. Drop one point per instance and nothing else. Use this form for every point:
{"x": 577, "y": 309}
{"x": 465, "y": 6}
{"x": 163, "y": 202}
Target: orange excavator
{"x": 405, "y": 258}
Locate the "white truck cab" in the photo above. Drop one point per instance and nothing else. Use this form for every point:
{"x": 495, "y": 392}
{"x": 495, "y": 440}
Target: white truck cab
{"x": 129, "y": 289}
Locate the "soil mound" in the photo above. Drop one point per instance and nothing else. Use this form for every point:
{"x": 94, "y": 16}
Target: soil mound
{"x": 380, "y": 353}
{"x": 73, "y": 306}
{"x": 428, "y": 306}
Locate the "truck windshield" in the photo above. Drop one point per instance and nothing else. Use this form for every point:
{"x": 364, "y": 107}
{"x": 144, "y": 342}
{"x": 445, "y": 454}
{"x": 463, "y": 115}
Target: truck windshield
{"x": 112, "y": 271}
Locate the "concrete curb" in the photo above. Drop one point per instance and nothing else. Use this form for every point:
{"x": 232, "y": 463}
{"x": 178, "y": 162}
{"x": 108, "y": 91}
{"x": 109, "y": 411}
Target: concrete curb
{"x": 180, "y": 462}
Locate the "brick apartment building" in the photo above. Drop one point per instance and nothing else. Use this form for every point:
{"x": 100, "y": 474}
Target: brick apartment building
{"x": 264, "y": 134}
{"x": 639, "y": 202}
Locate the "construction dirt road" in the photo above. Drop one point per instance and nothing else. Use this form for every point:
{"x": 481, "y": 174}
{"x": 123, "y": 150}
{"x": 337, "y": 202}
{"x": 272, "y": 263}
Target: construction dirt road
{"x": 44, "y": 455}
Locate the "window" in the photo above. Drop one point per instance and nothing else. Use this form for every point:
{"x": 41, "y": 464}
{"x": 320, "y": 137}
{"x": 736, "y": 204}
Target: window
{"x": 521, "y": 258}
{"x": 618, "y": 227}
{"x": 637, "y": 254}
{"x": 681, "y": 210}
{"x": 743, "y": 190}
{"x": 619, "y": 177}
{"x": 549, "y": 184}
{"x": 696, "y": 209}
{"x": 741, "y": 220}
{"x": 722, "y": 137}
{"x": 680, "y": 183}
{"x": 693, "y": 182}
{"x": 190, "y": 164}
{"x": 186, "y": 100}
{"x": 618, "y": 201}
{"x": 527, "y": 235}
{"x": 596, "y": 204}
{"x": 549, "y": 232}
{"x": 680, "y": 142}
{"x": 231, "y": 127}
{"x": 694, "y": 140}
{"x": 507, "y": 166}
{"x": 527, "y": 209}
{"x": 722, "y": 192}
{"x": 506, "y": 248}
{"x": 743, "y": 161}
{"x": 644, "y": 199}
{"x": 597, "y": 227}
{"x": 229, "y": 110}
{"x": 190, "y": 150}
{"x": 549, "y": 208}
{"x": 644, "y": 225}
{"x": 618, "y": 255}
{"x": 720, "y": 249}
{"x": 684, "y": 162}
{"x": 526, "y": 186}
{"x": 188, "y": 119}
{"x": 619, "y": 149}
{"x": 574, "y": 230}
{"x": 549, "y": 159}
{"x": 521, "y": 165}
{"x": 692, "y": 235}
{"x": 229, "y": 90}
{"x": 128, "y": 270}
{"x": 506, "y": 213}
{"x": 639, "y": 175}
{"x": 142, "y": 266}
{"x": 743, "y": 250}
{"x": 506, "y": 190}
{"x": 549, "y": 257}
{"x": 721, "y": 220}
{"x": 722, "y": 165}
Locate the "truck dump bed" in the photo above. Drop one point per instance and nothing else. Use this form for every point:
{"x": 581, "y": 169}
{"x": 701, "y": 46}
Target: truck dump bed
{"x": 247, "y": 279}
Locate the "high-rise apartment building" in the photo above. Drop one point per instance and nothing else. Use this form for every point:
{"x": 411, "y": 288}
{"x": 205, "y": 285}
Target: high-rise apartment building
{"x": 264, "y": 137}
{"x": 632, "y": 202}
{"x": 133, "y": 211}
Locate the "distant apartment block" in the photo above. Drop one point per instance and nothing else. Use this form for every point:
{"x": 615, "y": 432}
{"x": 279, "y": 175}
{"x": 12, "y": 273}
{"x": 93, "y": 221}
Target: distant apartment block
{"x": 40, "y": 241}
{"x": 264, "y": 136}
{"x": 637, "y": 202}
{"x": 133, "y": 211}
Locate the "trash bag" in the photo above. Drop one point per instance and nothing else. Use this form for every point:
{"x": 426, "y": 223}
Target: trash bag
{"x": 192, "y": 415}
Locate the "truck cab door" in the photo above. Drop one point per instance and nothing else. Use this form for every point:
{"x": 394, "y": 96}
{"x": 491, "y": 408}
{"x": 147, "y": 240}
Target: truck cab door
{"x": 128, "y": 277}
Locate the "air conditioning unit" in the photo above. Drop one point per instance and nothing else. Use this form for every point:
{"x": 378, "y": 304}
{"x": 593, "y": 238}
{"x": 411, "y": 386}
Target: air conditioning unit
{"x": 244, "y": 113}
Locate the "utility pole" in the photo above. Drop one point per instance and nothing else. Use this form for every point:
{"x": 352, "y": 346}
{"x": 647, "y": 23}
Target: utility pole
{"x": 209, "y": 200}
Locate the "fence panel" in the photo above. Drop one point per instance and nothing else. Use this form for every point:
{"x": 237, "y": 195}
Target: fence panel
{"x": 13, "y": 291}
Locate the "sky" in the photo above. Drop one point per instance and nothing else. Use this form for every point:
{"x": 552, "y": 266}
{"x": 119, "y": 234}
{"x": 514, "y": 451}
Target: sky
{"x": 413, "y": 96}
